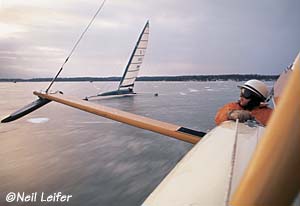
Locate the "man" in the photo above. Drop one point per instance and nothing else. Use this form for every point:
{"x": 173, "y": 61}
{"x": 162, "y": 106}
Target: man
{"x": 251, "y": 105}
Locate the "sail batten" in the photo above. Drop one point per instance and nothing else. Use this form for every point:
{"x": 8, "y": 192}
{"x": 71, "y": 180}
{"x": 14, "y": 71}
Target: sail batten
{"x": 130, "y": 78}
{"x": 129, "y": 85}
{"x": 135, "y": 63}
{"x": 134, "y": 70}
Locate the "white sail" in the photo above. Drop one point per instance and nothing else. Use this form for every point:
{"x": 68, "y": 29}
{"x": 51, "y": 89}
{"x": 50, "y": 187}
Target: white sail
{"x": 135, "y": 61}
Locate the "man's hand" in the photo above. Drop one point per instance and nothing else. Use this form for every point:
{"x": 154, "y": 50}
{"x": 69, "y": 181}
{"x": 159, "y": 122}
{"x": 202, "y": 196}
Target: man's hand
{"x": 242, "y": 115}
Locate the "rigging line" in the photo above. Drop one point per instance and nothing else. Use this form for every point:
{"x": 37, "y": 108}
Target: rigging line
{"x": 76, "y": 44}
{"x": 233, "y": 161}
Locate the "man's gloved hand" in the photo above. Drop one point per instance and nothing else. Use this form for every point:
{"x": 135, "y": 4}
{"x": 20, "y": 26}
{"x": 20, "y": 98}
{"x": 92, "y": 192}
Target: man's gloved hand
{"x": 242, "y": 115}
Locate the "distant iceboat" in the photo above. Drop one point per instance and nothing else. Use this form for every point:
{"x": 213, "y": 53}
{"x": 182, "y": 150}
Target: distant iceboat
{"x": 133, "y": 67}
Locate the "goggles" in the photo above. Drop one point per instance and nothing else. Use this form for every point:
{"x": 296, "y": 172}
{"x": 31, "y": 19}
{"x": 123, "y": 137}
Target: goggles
{"x": 246, "y": 93}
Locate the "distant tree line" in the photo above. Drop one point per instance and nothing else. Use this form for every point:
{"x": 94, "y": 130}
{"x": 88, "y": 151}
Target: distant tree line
{"x": 222, "y": 77}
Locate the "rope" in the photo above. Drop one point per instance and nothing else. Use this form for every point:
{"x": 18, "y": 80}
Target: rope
{"x": 76, "y": 44}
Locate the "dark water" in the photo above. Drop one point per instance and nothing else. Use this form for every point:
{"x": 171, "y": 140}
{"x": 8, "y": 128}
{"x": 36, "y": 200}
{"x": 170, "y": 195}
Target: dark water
{"x": 99, "y": 161}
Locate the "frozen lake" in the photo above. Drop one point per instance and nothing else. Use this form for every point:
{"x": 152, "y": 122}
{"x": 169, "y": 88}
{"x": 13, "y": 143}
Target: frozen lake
{"x": 96, "y": 160}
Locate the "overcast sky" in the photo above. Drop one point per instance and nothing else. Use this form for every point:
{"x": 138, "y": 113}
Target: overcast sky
{"x": 186, "y": 37}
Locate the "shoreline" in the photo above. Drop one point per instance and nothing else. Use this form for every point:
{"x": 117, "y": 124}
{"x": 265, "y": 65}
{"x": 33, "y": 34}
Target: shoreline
{"x": 226, "y": 77}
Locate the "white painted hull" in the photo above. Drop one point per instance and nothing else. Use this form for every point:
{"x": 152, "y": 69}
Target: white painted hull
{"x": 209, "y": 173}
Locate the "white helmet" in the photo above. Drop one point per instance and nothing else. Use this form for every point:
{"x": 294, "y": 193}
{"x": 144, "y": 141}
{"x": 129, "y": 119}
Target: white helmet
{"x": 258, "y": 87}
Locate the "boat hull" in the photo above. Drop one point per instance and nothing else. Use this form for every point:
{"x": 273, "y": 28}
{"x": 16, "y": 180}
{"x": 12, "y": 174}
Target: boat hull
{"x": 117, "y": 92}
{"x": 209, "y": 173}
{"x": 111, "y": 94}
